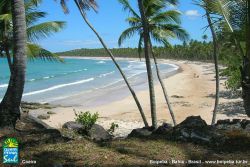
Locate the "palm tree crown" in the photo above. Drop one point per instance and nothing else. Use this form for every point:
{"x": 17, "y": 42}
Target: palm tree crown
{"x": 163, "y": 24}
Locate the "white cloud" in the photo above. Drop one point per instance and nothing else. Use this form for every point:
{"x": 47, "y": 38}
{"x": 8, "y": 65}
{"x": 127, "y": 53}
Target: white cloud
{"x": 192, "y": 13}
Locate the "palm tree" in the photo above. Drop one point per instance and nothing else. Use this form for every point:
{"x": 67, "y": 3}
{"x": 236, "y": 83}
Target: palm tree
{"x": 34, "y": 33}
{"x": 234, "y": 15}
{"x": 206, "y": 6}
{"x": 11, "y": 111}
{"x": 215, "y": 56}
{"x": 146, "y": 39}
{"x": 83, "y": 5}
{"x": 162, "y": 26}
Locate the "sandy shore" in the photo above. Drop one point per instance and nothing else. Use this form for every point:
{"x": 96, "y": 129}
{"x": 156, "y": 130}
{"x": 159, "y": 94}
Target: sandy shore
{"x": 190, "y": 91}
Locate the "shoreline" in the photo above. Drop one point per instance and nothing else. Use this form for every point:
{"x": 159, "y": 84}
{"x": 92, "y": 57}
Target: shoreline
{"x": 190, "y": 93}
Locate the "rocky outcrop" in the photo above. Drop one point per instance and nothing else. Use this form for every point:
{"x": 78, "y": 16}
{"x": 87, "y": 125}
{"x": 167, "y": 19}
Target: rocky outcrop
{"x": 96, "y": 133}
{"x": 140, "y": 132}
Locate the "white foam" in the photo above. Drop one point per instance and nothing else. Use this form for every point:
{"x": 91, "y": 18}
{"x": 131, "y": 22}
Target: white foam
{"x": 4, "y": 86}
{"x": 104, "y": 75}
{"x": 58, "y": 86}
{"x": 101, "y": 62}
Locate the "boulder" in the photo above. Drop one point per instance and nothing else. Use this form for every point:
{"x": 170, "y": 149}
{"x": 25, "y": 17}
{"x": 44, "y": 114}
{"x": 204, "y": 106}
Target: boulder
{"x": 193, "y": 129}
{"x": 98, "y": 133}
{"x": 140, "y": 132}
{"x": 244, "y": 123}
{"x": 71, "y": 125}
{"x": 193, "y": 122}
{"x": 164, "y": 129}
{"x": 43, "y": 116}
{"x": 225, "y": 121}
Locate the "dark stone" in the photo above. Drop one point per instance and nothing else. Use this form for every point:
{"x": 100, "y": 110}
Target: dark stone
{"x": 43, "y": 116}
{"x": 164, "y": 129}
{"x": 98, "y": 133}
{"x": 244, "y": 123}
{"x": 225, "y": 121}
{"x": 193, "y": 122}
{"x": 72, "y": 125}
{"x": 235, "y": 121}
{"x": 193, "y": 129}
{"x": 140, "y": 132}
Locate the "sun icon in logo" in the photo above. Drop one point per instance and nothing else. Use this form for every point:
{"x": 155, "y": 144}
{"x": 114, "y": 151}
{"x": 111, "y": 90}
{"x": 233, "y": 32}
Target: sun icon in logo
{"x": 11, "y": 143}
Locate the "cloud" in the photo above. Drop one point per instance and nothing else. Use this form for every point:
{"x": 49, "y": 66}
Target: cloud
{"x": 192, "y": 13}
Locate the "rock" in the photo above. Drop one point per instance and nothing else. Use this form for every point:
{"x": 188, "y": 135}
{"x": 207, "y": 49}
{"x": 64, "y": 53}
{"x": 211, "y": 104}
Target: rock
{"x": 72, "y": 125}
{"x": 98, "y": 133}
{"x": 247, "y": 128}
{"x": 235, "y": 121}
{"x": 43, "y": 116}
{"x": 176, "y": 96}
{"x": 244, "y": 123}
{"x": 193, "y": 122}
{"x": 164, "y": 129}
{"x": 51, "y": 112}
{"x": 199, "y": 138}
{"x": 140, "y": 132}
{"x": 225, "y": 121}
{"x": 193, "y": 129}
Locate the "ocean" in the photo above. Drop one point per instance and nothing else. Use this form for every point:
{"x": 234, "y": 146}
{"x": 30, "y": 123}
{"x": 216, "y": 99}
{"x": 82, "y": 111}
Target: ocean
{"x": 48, "y": 82}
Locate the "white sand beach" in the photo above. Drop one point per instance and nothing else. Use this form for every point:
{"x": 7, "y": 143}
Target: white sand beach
{"x": 190, "y": 92}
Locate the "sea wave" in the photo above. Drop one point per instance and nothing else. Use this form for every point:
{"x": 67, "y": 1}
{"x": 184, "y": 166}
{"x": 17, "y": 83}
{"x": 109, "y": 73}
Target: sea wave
{"x": 101, "y": 62}
{"x": 104, "y": 75}
{"x": 4, "y": 86}
{"x": 58, "y": 87}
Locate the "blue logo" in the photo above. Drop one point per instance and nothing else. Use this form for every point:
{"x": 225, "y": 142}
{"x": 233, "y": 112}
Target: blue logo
{"x": 10, "y": 151}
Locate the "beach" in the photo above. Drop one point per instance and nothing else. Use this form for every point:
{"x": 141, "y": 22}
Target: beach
{"x": 191, "y": 92}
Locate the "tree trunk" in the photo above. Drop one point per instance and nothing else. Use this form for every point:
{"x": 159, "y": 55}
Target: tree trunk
{"x": 10, "y": 108}
{"x": 116, "y": 64}
{"x": 245, "y": 70}
{"x": 162, "y": 85}
{"x": 148, "y": 64}
{"x": 215, "y": 56}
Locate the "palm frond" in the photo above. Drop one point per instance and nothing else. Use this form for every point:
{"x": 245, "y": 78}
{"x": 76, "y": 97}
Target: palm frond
{"x": 171, "y": 16}
{"x": 127, "y": 6}
{"x": 35, "y": 51}
{"x": 43, "y": 30}
{"x": 127, "y": 34}
{"x": 32, "y": 17}
{"x": 134, "y": 21}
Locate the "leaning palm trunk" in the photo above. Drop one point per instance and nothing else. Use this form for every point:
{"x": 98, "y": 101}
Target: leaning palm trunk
{"x": 162, "y": 85}
{"x": 215, "y": 56}
{"x": 245, "y": 70}
{"x": 116, "y": 64}
{"x": 10, "y": 107}
{"x": 148, "y": 64}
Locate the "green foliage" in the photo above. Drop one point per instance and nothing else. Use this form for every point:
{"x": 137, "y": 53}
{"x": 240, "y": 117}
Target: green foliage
{"x": 112, "y": 128}
{"x": 86, "y": 119}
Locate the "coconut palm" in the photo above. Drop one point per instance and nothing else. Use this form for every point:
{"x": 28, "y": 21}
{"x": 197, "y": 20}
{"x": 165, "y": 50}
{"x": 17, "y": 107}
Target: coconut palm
{"x": 84, "y": 5}
{"x": 11, "y": 111}
{"x": 233, "y": 16}
{"x": 163, "y": 25}
{"x": 34, "y": 33}
{"x": 206, "y": 5}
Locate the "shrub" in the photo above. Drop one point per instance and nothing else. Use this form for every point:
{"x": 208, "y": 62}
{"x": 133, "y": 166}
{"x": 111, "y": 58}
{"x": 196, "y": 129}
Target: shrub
{"x": 112, "y": 128}
{"x": 86, "y": 119}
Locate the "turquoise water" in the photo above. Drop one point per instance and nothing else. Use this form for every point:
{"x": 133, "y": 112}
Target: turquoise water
{"x": 49, "y": 81}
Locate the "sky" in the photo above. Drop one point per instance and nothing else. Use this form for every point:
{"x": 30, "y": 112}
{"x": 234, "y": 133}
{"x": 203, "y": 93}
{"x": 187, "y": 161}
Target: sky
{"x": 110, "y": 22}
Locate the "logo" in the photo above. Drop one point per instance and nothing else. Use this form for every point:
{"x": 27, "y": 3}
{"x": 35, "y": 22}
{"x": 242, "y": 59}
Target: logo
{"x": 10, "y": 151}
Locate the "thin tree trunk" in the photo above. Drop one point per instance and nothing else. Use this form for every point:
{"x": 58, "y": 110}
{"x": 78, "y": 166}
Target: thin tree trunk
{"x": 10, "y": 109}
{"x": 245, "y": 70}
{"x": 148, "y": 64}
{"x": 162, "y": 85}
{"x": 116, "y": 64}
{"x": 215, "y": 56}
